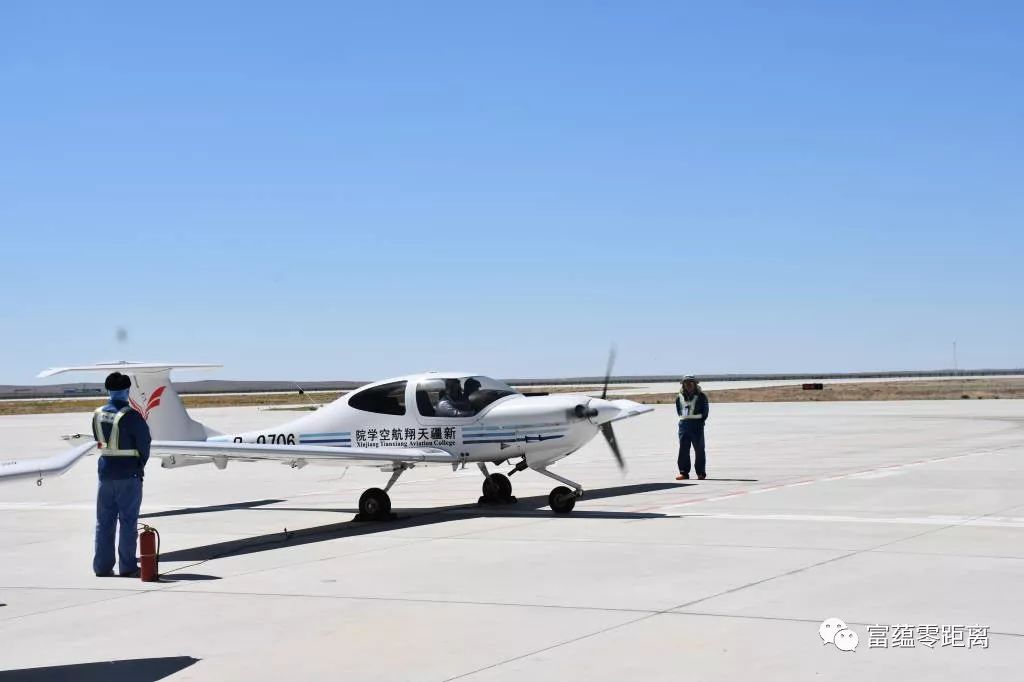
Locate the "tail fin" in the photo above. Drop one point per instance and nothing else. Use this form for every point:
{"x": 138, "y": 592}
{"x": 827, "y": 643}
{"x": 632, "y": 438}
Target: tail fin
{"x": 152, "y": 395}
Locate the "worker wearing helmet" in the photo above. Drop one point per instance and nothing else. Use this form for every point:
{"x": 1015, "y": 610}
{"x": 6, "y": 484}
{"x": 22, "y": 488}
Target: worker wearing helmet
{"x": 692, "y": 408}
{"x": 123, "y": 440}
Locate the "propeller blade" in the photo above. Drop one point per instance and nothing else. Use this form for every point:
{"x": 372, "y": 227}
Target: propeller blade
{"x": 609, "y": 435}
{"x": 608, "y": 373}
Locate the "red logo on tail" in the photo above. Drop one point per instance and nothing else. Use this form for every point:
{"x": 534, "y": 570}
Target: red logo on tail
{"x": 151, "y": 403}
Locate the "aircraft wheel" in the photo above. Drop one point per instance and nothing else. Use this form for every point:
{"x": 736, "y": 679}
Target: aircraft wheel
{"x": 561, "y": 500}
{"x": 497, "y": 487}
{"x": 374, "y": 504}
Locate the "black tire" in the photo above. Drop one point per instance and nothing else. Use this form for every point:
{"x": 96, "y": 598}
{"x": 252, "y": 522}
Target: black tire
{"x": 374, "y": 504}
{"x": 497, "y": 487}
{"x": 561, "y": 500}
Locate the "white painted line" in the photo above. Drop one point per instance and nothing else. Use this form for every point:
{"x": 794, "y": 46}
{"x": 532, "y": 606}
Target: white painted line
{"x": 879, "y": 471}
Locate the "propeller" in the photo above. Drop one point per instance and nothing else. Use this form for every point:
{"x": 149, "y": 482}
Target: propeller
{"x": 606, "y": 428}
{"x": 609, "y": 435}
{"x": 608, "y": 372}
{"x": 587, "y": 412}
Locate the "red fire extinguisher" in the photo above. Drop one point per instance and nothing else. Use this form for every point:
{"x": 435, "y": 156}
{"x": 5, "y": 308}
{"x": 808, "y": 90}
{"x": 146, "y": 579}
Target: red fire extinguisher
{"x": 149, "y": 554}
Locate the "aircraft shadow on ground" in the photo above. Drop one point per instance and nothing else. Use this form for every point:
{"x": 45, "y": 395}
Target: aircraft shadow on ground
{"x": 409, "y": 518}
{"x": 134, "y": 670}
{"x": 207, "y": 510}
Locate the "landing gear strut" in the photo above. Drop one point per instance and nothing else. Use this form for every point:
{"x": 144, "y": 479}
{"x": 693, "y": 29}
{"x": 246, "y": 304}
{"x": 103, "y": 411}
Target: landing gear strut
{"x": 497, "y": 489}
{"x": 562, "y": 499}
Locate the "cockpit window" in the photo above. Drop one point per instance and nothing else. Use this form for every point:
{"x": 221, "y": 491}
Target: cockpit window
{"x": 458, "y": 396}
{"x": 383, "y": 399}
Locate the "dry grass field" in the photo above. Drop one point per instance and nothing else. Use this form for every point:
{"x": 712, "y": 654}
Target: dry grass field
{"x": 945, "y": 389}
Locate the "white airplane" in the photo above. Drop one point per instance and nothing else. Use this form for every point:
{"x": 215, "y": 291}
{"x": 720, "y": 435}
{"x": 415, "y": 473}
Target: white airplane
{"x": 435, "y": 418}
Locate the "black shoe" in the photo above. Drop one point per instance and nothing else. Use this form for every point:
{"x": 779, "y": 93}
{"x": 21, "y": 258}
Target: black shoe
{"x": 108, "y": 574}
{"x": 701, "y": 477}
{"x": 133, "y": 574}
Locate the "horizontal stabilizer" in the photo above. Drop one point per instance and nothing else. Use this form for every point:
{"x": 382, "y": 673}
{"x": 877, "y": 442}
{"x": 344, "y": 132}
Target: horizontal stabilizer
{"x": 152, "y": 395}
{"x": 126, "y": 367}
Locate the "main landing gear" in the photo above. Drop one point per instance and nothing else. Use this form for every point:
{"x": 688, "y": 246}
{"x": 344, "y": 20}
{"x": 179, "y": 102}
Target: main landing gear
{"x": 496, "y": 488}
{"x": 561, "y": 500}
{"x": 375, "y": 504}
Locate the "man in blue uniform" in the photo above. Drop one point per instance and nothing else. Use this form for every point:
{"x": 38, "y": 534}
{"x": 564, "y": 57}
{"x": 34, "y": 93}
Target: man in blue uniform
{"x": 692, "y": 408}
{"x": 123, "y": 438}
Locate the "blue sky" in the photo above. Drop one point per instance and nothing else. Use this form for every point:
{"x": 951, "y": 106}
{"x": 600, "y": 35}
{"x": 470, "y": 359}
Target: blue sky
{"x": 341, "y": 190}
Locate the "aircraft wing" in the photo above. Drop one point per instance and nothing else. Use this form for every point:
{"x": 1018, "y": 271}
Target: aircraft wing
{"x": 297, "y": 455}
{"x": 184, "y": 453}
{"x": 39, "y": 468}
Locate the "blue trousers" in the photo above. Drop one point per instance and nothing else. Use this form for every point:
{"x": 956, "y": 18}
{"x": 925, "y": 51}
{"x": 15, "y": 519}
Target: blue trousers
{"x": 117, "y": 501}
{"x": 691, "y": 434}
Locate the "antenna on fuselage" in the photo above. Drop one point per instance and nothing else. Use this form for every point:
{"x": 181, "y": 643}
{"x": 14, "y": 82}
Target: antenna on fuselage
{"x": 302, "y": 392}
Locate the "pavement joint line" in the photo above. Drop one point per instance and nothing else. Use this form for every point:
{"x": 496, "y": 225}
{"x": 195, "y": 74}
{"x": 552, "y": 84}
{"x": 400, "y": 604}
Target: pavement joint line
{"x": 130, "y": 593}
{"x": 719, "y": 545}
{"x": 621, "y": 625}
{"x": 673, "y": 609}
{"x": 838, "y": 558}
{"x": 171, "y": 587}
{"x": 456, "y": 602}
{"x": 349, "y": 597}
{"x": 551, "y": 647}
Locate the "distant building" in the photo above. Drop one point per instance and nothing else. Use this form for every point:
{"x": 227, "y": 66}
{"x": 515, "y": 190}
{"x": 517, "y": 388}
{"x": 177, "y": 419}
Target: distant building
{"x": 82, "y": 391}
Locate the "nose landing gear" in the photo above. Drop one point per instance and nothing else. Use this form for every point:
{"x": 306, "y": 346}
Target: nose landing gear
{"x": 562, "y": 499}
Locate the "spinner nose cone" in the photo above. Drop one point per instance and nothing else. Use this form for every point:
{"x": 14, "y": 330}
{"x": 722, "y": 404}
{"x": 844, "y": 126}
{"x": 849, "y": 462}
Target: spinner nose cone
{"x": 600, "y": 411}
{"x": 583, "y": 411}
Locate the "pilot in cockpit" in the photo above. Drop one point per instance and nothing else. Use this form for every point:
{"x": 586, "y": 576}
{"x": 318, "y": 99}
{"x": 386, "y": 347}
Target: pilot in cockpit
{"x": 472, "y": 386}
{"x": 452, "y": 402}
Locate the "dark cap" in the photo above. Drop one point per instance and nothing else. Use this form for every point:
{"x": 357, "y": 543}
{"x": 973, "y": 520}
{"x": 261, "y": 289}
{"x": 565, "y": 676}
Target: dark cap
{"x": 117, "y": 382}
